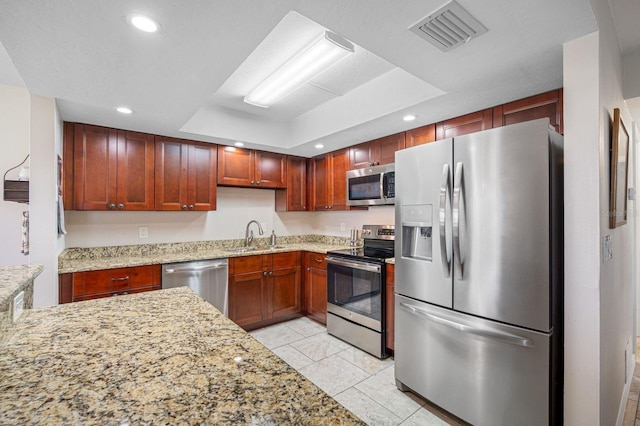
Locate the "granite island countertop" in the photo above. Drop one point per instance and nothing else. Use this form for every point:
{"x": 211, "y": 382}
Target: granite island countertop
{"x": 163, "y": 357}
{"x": 13, "y": 280}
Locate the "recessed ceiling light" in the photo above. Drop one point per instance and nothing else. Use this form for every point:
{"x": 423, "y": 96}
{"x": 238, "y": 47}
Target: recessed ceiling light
{"x": 409, "y": 117}
{"x": 124, "y": 110}
{"x": 143, "y": 22}
{"x": 238, "y": 144}
{"x": 319, "y": 146}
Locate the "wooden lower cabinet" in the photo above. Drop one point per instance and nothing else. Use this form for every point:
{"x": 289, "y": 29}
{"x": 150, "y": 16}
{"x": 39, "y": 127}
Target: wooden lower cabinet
{"x": 88, "y": 285}
{"x": 265, "y": 289}
{"x": 315, "y": 287}
{"x": 389, "y": 305}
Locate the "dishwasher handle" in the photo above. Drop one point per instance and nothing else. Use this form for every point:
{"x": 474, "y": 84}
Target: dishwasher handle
{"x": 196, "y": 268}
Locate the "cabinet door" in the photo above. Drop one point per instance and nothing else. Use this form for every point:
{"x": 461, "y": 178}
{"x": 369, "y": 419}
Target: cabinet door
{"x": 465, "y": 124}
{"x": 94, "y": 167}
{"x": 420, "y": 136}
{"x": 171, "y": 163}
{"x": 135, "y": 187}
{"x": 340, "y": 165}
{"x": 322, "y": 182}
{"x": 270, "y": 170}
{"x": 317, "y": 294}
{"x": 246, "y": 298}
{"x": 294, "y": 197}
{"x": 284, "y": 291}
{"x": 202, "y": 172}
{"x": 544, "y": 105}
{"x": 361, "y": 156}
{"x": 385, "y": 148}
{"x": 235, "y": 166}
{"x": 390, "y": 306}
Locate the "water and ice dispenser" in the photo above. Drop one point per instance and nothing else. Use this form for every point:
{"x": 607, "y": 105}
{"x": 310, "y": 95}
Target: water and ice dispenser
{"x": 417, "y": 231}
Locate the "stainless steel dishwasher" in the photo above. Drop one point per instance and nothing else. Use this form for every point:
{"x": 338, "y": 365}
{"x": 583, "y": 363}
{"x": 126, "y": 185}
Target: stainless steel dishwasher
{"x": 207, "y": 278}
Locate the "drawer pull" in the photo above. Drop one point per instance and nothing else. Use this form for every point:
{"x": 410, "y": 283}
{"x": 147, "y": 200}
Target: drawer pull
{"x": 120, "y": 279}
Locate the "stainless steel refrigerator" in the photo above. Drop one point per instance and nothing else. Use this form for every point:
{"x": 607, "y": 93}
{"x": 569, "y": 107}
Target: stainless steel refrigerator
{"x": 478, "y": 301}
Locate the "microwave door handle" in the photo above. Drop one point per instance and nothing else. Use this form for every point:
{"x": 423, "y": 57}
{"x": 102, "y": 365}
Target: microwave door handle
{"x": 445, "y": 200}
{"x": 459, "y": 212}
{"x": 382, "y": 193}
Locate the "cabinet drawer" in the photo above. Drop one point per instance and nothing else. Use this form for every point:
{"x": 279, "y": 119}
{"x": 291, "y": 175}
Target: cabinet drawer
{"x": 285, "y": 260}
{"x": 120, "y": 279}
{"x": 144, "y": 276}
{"x": 317, "y": 260}
{"x": 245, "y": 264}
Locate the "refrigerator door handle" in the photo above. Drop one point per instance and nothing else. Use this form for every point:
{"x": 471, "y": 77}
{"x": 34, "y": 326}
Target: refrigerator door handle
{"x": 445, "y": 199}
{"x": 458, "y": 214}
{"x": 501, "y": 336}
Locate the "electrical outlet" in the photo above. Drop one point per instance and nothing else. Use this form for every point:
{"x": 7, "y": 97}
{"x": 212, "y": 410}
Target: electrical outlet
{"x": 343, "y": 227}
{"x": 18, "y": 305}
{"x": 143, "y": 232}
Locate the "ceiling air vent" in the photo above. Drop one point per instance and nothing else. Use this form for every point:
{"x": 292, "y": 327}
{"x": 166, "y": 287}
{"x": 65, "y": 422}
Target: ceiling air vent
{"x": 449, "y": 27}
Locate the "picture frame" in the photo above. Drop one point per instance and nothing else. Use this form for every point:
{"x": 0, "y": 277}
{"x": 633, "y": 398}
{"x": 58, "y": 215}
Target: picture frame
{"x": 619, "y": 172}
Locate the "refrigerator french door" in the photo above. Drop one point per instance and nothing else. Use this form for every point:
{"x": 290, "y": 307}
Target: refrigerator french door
{"x": 479, "y": 273}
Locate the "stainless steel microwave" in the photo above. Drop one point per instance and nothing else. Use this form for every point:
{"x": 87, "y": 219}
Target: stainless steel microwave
{"x": 371, "y": 186}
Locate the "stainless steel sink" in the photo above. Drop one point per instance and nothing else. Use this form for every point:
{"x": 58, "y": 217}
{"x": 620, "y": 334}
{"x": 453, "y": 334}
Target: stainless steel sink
{"x": 242, "y": 249}
{"x": 276, "y": 247}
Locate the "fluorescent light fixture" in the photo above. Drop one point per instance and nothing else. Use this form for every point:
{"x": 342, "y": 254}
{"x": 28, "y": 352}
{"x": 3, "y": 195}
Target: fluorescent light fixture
{"x": 319, "y": 146}
{"x": 238, "y": 144}
{"x": 143, "y": 22}
{"x": 409, "y": 117}
{"x": 300, "y": 69}
{"x": 124, "y": 110}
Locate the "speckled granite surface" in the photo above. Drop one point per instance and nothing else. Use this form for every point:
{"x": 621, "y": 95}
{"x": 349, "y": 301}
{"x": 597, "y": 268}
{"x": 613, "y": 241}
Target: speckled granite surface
{"x": 13, "y": 280}
{"x": 163, "y": 357}
{"x": 89, "y": 259}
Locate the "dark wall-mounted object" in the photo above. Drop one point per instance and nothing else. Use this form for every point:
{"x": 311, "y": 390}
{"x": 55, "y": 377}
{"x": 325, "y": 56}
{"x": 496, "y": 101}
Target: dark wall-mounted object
{"x": 16, "y": 190}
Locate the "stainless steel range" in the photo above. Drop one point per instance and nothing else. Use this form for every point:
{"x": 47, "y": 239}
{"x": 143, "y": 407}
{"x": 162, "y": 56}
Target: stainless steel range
{"x": 356, "y": 290}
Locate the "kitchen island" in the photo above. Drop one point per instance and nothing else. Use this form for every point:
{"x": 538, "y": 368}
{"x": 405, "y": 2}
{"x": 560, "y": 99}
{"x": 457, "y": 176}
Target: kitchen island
{"x": 163, "y": 357}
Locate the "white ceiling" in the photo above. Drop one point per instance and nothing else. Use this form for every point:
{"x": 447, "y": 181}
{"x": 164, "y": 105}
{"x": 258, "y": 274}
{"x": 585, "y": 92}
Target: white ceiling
{"x": 188, "y": 80}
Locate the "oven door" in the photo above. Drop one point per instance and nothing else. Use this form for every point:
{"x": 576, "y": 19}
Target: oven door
{"x": 355, "y": 291}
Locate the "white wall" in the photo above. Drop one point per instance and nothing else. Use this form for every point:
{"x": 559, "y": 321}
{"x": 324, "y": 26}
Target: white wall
{"x": 236, "y": 207}
{"x": 46, "y": 136}
{"x": 599, "y": 297}
{"x": 14, "y": 128}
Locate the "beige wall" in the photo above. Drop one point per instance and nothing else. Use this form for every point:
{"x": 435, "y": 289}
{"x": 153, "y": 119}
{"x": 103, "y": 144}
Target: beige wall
{"x": 14, "y": 128}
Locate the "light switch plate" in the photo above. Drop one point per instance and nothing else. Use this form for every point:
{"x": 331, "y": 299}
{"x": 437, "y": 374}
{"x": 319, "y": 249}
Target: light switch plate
{"x": 607, "y": 248}
{"x": 18, "y": 305}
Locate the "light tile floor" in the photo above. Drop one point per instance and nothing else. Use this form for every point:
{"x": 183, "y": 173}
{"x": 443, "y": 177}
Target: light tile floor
{"x": 365, "y": 385}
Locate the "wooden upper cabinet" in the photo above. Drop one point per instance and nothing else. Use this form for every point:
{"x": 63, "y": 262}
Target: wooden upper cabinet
{"x": 329, "y": 181}
{"x": 247, "y": 167}
{"x": 322, "y": 182}
{"x": 294, "y": 196}
{"x": 185, "y": 175}
{"x": 112, "y": 169}
{"x": 470, "y": 123}
{"x": 547, "y": 104}
{"x": 339, "y": 167}
{"x": 420, "y": 136}
{"x": 135, "y": 174}
{"x": 270, "y": 169}
{"x": 94, "y": 167}
{"x": 376, "y": 152}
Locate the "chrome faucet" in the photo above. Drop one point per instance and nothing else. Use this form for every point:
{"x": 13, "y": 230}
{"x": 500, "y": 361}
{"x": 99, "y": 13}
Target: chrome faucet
{"x": 248, "y": 237}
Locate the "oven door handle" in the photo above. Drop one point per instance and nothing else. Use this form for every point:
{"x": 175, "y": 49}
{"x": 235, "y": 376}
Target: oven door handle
{"x": 355, "y": 265}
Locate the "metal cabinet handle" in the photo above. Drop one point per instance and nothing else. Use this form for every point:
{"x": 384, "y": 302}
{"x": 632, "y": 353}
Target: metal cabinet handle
{"x": 126, "y": 292}
{"x": 258, "y": 182}
{"x": 191, "y": 207}
{"x": 270, "y": 273}
{"x": 120, "y": 279}
{"x": 445, "y": 200}
{"x": 121, "y": 206}
{"x": 253, "y": 182}
{"x": 112, "y": 206}
{"x": 513, "y": 339}
{"x": 184, "y": 207}
{"x": 458, "y": 214}
{"x": 264, "y": 274}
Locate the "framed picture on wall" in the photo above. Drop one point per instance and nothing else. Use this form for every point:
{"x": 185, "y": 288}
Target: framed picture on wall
{"x": 619, "y": 172}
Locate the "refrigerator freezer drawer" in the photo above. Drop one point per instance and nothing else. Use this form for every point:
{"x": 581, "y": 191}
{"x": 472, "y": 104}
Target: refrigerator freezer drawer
{"x": 484, "y": 372}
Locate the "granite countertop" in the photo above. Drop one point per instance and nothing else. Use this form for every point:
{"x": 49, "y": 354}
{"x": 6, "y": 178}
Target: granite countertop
{"x": 163, "y": 357}
{"x": 13, "y": 279}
